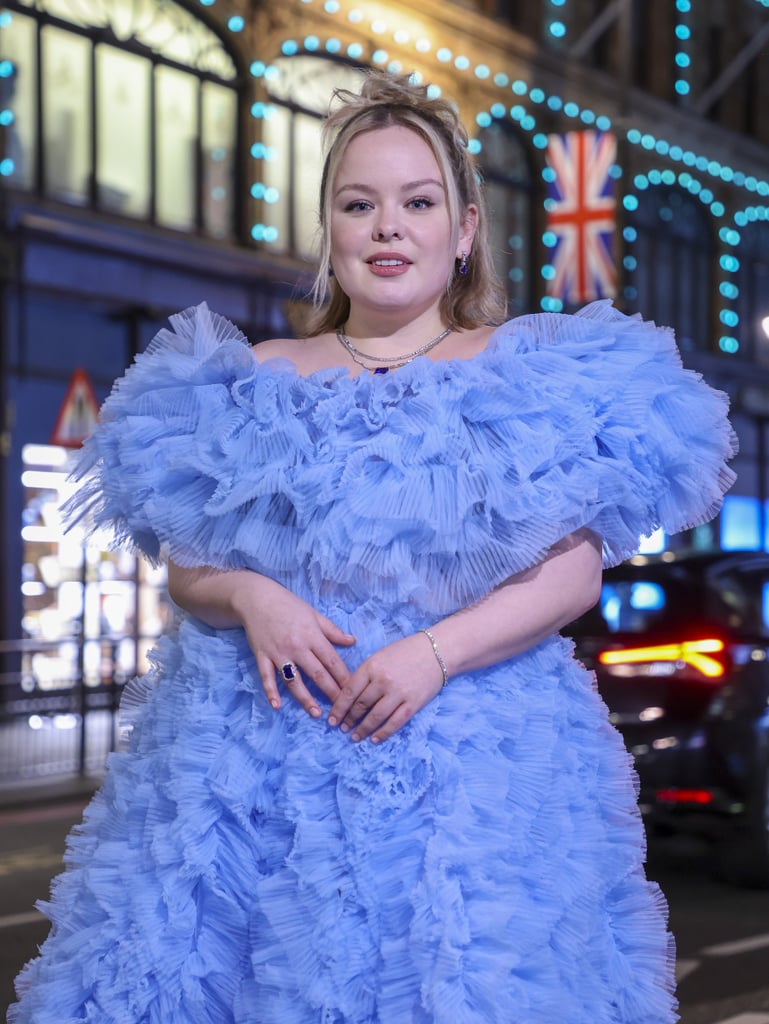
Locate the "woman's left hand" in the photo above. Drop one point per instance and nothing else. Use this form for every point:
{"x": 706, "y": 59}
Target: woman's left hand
{"x": 388, "y": 689}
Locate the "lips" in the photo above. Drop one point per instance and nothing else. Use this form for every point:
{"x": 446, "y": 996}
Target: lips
{"x": 388, "y": 259}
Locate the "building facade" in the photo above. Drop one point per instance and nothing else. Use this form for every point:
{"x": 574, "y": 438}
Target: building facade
{"x": 159, "y": 153}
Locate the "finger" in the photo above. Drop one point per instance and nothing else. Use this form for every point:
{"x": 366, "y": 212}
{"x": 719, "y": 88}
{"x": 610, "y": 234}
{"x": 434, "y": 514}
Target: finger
{"x": 402, "y": 714}
{"x": 377, "y": 716}
{"x": 322, "y": 678}
{"x": 269, "y": 681}
{"x": 332, "y": 671}
{"x": 300, "y": 693}
{"x": 334, "y": 633}
{"x": 346, "y": 698}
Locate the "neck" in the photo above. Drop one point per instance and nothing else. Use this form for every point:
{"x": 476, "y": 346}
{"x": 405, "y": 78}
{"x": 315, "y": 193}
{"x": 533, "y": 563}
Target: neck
{"x": 393, "y": 332}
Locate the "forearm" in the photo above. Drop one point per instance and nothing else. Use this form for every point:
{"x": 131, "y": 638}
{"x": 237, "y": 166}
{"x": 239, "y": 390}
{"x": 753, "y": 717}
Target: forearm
{"x": 525, "y": 609}
{"x": 213, "y": 595}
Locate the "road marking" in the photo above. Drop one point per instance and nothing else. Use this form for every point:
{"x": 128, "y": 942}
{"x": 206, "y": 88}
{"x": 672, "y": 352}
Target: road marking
{"x": 746, "y": 1018}
{"x": 30, "y": 858}
{"x": 28, "y": 917}
{"x": 685, "y": 967}
{"x": 738, "y": 946}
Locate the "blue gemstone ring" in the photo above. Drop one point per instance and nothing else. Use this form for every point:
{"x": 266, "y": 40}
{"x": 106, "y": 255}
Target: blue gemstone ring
{"x": 289, "y": 672}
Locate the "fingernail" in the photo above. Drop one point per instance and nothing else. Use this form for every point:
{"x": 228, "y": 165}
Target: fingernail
{"x": 344, "y": 728}
{"x": 275, "y": 703}
{"x": 355, "y": 738}
{"x": 315, "y": 712}
{"x": 332, "y": 720}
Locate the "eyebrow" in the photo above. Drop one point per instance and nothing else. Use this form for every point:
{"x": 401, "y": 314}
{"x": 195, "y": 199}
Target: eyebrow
{"x": 408, "y": 187}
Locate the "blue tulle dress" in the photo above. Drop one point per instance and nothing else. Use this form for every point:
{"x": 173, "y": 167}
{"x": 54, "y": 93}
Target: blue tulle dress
{"x": 485, "y": 865}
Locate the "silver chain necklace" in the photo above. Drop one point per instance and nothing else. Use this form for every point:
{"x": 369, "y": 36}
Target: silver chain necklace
{"x": 393, "y": 361}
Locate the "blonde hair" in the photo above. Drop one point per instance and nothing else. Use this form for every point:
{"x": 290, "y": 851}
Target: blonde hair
{"x": 471, "y": 299}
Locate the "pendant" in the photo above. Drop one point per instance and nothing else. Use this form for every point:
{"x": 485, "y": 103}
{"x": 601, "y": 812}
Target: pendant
{"x": 382, "y": 369}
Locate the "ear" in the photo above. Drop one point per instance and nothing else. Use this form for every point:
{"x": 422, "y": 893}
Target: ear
{"x": 467, "y": 229}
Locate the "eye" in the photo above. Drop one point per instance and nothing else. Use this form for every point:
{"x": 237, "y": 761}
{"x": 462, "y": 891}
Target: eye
{"x": 421, "y": 203}
{"x": 357, "y": 206}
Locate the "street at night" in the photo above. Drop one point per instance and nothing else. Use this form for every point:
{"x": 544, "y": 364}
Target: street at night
{"x": 722, "y": 932}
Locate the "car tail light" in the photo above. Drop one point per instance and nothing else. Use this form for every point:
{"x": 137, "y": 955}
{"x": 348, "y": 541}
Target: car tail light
{"x": 684, "y": 796}
{"x": 665, "y": 659}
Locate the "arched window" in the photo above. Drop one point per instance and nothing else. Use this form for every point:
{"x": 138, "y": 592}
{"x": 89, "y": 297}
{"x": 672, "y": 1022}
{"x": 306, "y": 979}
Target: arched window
{"x": 752, "y": 279}
{"x": 136, "y": 107}
{"x": 673, "y": 252}
{"x": 300, "y": 90}
{"x": 507, "y": 176}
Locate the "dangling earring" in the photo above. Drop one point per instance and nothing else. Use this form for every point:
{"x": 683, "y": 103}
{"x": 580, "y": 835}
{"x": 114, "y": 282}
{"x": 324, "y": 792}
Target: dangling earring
{"x": 463, "y": 263}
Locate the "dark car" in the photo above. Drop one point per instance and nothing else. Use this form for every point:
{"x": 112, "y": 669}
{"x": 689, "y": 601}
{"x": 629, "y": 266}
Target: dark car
{"x": 680, "y": 647}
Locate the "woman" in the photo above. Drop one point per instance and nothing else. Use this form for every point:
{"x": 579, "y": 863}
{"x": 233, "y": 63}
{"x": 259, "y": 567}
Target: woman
{"x": 367, "y": 780}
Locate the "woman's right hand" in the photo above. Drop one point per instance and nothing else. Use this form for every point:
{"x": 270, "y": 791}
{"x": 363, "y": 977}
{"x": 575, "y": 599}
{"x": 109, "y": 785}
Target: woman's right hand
{"x": 280, "y": 627}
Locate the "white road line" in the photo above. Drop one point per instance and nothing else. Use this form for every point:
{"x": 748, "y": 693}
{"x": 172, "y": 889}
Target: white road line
{"x": 746, "y": 1018}
{"x": 685, "y": 967}
{"x": 738, "y": 946}
{"x": 35, "y": 917}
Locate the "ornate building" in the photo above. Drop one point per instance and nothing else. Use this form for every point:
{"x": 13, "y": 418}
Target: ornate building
{"x": 157, "y": 153}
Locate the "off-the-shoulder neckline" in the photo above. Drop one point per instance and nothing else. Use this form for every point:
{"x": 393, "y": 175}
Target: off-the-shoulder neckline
{"x": 339, "y": 372}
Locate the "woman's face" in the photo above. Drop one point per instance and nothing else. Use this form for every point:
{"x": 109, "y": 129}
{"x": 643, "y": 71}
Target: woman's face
{"x": 391, "y": 237}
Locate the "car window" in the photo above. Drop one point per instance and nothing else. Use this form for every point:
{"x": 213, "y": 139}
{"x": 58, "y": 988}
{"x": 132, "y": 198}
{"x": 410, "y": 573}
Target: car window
{"x": 637, "y": 604}
{"x": 740, "y": 597}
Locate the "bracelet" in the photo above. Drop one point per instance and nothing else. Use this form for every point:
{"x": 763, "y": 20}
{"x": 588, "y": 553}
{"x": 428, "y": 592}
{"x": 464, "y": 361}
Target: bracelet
{"x": 437, "y": 654}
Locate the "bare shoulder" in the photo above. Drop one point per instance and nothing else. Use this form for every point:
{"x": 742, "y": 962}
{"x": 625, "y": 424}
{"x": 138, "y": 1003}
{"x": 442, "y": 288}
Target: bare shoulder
{"x": 275, "y": 348}
{"x": 307, "y": 354}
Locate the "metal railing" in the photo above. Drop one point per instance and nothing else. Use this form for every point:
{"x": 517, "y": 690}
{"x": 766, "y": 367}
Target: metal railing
{"x": 66, "y": 726}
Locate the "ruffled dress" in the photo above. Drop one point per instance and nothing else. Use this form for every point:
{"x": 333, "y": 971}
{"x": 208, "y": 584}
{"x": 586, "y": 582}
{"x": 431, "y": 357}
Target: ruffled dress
{"x": 485, "y": 865}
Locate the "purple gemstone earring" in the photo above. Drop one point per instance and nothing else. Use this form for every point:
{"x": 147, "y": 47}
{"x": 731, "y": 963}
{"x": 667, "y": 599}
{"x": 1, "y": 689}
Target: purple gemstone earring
{"x": 463, "y": 263}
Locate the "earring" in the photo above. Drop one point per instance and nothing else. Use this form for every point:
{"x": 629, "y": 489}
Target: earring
{"x": 463, "y": 259}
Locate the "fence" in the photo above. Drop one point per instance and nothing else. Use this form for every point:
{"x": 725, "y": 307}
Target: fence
{"x": 66, "y": 728}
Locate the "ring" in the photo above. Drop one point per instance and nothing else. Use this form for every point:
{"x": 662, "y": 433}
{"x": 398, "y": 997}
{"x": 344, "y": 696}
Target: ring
{"x": 289, "y": 672}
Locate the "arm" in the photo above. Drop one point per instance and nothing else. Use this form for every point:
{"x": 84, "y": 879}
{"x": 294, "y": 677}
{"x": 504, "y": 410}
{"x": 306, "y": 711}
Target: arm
{"x": 279, "y": 626}
{"x": 393, "y": 684}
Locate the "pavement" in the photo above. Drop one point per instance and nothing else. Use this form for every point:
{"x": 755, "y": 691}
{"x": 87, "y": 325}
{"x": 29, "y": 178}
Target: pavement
{"x": 49, "y": 790}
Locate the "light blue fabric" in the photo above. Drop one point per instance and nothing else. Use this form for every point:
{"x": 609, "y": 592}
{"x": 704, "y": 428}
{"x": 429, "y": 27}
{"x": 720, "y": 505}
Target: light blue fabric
{"x": 485, "y": 865}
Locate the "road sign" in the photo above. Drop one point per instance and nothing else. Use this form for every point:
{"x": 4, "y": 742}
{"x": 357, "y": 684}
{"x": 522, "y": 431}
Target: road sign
{"x": 78, "y": 413}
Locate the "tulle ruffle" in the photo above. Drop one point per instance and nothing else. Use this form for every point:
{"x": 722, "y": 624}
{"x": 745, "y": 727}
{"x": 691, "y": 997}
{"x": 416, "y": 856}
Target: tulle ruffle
{"x": 429, "y": 485}
{"x": 247, "y": 867}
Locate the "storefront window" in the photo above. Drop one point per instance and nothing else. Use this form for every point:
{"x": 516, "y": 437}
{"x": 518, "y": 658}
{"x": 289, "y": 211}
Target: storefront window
{"x": 218, "y": 144}
{"x": 752, "y": 279}
{"x": 183, "y": 177}
{"x": 507, "y": 179}
{"x": 66, "y": 83}
{"x": 300, "y": 95}
{"x": 18, "y": 94}
{"x": 122, "y": 132}
{"x": 674, "y": 256}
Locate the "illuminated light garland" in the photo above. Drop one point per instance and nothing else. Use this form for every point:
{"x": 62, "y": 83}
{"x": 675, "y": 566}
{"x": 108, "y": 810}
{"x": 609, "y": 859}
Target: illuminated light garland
{"x": 682, "y": 57}
{"x": 570, "y": 109}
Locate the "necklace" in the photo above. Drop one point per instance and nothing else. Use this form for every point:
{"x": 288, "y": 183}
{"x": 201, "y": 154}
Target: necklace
{"x": 394, "y": 361}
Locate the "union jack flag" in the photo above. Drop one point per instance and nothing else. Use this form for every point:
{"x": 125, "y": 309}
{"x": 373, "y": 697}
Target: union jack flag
{"x": 580, "y": 212}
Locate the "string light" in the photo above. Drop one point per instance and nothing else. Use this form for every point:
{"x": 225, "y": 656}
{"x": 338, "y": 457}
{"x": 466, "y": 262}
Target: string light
{"x": 535, "y": 96}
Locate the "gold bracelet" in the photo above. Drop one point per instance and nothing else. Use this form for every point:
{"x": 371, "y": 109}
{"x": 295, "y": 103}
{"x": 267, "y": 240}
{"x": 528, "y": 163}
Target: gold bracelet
{"x": 437, "y": 654}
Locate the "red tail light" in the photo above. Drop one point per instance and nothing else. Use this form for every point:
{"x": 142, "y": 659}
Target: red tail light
{"x": 684, "y": 796}
{"x": 689, "y": 654}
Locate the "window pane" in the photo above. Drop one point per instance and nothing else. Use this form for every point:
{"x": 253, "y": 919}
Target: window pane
{"x": 17, "y": 94}
{"x": 220, "y": 118}
{"x": 275, "y": 174}
{"x": 307, "y": 170}
{"x": 176, "y": 129}
{"x": 66, "y": 74}
{"x": 123, "y": 149}
{"x": 308, "y": 82}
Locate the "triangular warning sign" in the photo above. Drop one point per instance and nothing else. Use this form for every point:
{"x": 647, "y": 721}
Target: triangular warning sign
{"x": 78, "y": 413}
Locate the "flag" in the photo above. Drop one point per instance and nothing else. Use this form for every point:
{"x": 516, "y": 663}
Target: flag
{"x": 581, "y": 214}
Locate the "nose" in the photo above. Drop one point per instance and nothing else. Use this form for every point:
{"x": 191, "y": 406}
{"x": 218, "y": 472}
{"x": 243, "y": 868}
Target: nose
{"x": 386, "y": 225}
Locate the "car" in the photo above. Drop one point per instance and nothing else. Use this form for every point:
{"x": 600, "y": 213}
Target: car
{"x": 679, "y": 644}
